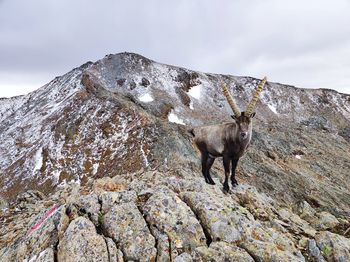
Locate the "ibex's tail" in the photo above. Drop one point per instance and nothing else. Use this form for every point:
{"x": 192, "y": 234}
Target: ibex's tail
{"x": 191, "y": 131}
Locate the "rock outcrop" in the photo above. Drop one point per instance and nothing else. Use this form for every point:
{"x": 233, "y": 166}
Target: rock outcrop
{"x": 177, "y": 218}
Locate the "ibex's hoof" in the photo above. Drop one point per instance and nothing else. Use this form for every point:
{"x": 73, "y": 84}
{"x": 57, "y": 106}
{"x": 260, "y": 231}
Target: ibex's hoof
{"x": 211, "y": 181}
{"x": 226, "y": 189}
{"x": 227, "y": 192}
{"x": 234, "y": 183}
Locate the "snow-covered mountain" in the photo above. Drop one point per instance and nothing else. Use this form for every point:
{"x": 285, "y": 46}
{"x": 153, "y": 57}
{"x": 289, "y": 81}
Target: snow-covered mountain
{"x": 125, "y": 113}
{"x": 108, "y": 145}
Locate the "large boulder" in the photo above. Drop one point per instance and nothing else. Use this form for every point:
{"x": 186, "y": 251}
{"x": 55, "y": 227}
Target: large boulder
{"x": 126, "y": 226}
{"x": 81, "y": 243}
{"x": 334, "y": 247}
{"x": 171, "y": 219}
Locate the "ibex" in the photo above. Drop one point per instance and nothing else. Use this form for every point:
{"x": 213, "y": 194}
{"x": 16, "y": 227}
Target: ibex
{"x": 227, "y": 140}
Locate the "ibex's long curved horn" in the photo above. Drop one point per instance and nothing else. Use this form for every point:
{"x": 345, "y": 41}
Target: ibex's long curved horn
{"x": 255, "y": 98}
{"x": 230, "y": 100}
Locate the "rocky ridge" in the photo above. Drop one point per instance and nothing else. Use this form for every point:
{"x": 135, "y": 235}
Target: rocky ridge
{"x": 174, "y": 216}
{"x": 101, "y": 142}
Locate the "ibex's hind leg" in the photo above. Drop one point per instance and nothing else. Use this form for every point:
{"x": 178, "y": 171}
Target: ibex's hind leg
{"x": 233, "y": 175}
{"x": 210, "y": 162}
{"x": 227, "y": 173}
{"x": 204, "y": 166}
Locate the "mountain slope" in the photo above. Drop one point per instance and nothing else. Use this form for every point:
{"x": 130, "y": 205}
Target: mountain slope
{"x": 127, "y": 117}
{"x": 112, "y": 117}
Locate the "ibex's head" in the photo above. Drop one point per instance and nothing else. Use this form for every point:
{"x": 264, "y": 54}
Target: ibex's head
{"x": 244, "y": 124}
{"x": 243, "y": 119}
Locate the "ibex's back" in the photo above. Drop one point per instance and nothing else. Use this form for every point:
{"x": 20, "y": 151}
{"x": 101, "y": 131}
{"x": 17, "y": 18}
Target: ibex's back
{"x": 227, "y": 138}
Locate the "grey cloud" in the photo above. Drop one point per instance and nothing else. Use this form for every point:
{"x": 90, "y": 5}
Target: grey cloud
{"x": 285, "y": 41}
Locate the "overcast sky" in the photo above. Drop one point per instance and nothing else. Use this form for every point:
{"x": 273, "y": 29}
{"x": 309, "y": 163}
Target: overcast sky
{"x": 302, "y": 43}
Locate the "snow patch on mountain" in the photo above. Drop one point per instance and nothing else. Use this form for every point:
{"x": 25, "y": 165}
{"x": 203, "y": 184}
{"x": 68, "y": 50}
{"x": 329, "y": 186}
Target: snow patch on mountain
{"x": 195, "y": 91}
{"x": 273, "y": 109}
{"x": 146, "y": 98}
{"x": 144, "y": 157}
{"x": 9, "y": 106}
{"x": 56, "y": 176}
{"x": 172, "y": 117}
{"x": 166, "y": 75}
{"x": 95, "y": 168}
{"x": 38, "y": 160}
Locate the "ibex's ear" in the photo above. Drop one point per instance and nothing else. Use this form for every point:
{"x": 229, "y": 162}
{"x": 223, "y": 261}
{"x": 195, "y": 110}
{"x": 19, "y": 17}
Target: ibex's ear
{"x": 234, "y": 117}
{"x": 252, "y": 115}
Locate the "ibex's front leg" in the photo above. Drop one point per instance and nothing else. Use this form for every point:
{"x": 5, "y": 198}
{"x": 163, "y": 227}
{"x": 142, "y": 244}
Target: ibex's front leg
{"x": 227, "y": 173}
{"x": 233, "y": 175}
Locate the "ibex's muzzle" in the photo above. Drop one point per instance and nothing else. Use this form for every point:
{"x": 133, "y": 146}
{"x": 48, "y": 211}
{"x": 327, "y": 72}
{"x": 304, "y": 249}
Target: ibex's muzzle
{"x": 244, "y": 135}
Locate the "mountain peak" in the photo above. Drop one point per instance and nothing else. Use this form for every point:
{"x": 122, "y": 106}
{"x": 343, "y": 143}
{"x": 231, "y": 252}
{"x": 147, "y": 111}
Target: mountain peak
{"x": 116, "y": 115}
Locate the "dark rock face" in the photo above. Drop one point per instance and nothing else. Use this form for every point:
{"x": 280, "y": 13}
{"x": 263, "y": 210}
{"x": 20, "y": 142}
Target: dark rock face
{"x": 125, "y": 119}
{"x": 345, "y": 133}
{"x": 144, "y": 82}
